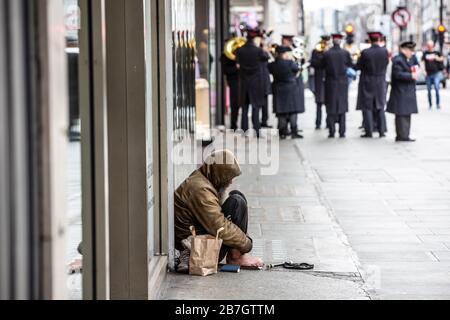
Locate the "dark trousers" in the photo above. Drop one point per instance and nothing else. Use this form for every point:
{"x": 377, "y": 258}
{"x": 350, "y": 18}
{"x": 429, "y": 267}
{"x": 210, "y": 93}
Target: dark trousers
{"x": 319, "y": 115}
{"x": 336, "y": 118}
{"x": 403, "y": 126}
{"x": 255, "y": 118}
{"x": 374, "y": 120}
{"x": 284, "y": 119}
{"x": 265, "y": 112}
{"x": 234, "y": 102}
{"x": 235, "y": 209}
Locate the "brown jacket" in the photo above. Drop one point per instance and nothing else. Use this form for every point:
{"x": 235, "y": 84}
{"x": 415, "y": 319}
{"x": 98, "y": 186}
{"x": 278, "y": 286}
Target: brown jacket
{"x": 197, "y": 203}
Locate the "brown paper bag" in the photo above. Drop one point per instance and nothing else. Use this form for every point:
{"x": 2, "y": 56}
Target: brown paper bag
{"x": 205, "y": 251}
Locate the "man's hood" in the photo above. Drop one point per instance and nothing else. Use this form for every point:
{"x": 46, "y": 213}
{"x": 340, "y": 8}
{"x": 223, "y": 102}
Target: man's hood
{"x": 220, "y": 168}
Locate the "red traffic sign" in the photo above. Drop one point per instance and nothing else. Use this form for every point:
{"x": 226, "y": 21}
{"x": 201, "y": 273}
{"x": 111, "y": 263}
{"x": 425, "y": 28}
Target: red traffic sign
{"x": 401, "y": 17}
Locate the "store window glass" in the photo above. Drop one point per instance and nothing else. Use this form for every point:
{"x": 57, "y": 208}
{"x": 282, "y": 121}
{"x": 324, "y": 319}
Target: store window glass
{"x": 186, "y": 72}
{"x": 74, "y": 232}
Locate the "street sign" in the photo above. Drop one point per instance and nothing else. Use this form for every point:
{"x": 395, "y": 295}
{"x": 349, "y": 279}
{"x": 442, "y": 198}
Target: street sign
{"x": 401, "y": 17}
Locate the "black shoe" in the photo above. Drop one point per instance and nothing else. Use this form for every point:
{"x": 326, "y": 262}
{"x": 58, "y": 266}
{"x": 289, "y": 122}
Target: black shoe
{"x": 342, "y": 136}
{"x": 282, "y": 137}
{"x": 296, "y": 136}
{"x": 318, "y": 128}
{"x": 366, "y": 136}
{"x": 404, "y": 140}
{"x": 265, "y": 125}
{"x": 331, "y": 136}
{"x": 382, "y": 135}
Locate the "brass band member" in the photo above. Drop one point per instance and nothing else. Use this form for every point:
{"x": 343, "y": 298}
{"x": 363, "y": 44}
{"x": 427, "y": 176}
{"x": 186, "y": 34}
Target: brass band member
{"x": 319, "y": 77}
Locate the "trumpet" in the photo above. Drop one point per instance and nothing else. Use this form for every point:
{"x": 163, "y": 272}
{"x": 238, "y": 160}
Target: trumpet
{"x": 232, "y": 45}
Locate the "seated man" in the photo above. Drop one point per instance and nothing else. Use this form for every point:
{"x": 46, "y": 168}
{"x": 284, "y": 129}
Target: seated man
{"x": 198, "y": 204}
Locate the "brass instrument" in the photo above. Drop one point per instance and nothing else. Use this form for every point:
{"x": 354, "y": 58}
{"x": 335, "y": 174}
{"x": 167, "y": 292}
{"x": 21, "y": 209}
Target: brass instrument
{"x": 322, "y": 46}
{"x": 232, "y": 45}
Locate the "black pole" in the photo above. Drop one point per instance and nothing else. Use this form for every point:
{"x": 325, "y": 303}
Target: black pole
{"x": 384, "y": 6}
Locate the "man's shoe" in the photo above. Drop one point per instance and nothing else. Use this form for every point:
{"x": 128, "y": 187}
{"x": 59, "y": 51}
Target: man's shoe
{"x": 367, "y": 136}
{"x": 317, "y": 127}
{"x": 382, "y": 135}
{"x": 342, "y": 136}
{"x": 331, "y": 136}
{"x": 404, "y": 140}
{"x": 296, "y": 136}
{"x": 438, "y": 107}
{"x": 265, "y": 125}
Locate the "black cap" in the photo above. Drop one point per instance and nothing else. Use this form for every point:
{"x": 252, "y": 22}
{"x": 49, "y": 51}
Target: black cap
{"x": 282, "y": 49}
{"x": 408, "y": 44}
{"x": 337, "y": 35}
{"x": 287, "y": 36}
{"x": 253, "y": 33}
{"x": 325, "y": 37}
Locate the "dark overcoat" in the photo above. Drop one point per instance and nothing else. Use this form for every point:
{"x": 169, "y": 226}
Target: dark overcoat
{"x": 251, "y": 60}
{"x": 372, "y": 82}
{"x": 335, "y": 62}
{"x": 319, "y": 76}
{"x": 403, "y": 100}
{"x": 286, "y": 94}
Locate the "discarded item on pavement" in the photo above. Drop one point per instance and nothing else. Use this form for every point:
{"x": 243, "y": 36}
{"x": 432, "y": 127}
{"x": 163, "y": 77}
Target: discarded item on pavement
{"x": 230, "y": 268}
{"x": 291, "y": 265}
{"x": 204, "y": 253}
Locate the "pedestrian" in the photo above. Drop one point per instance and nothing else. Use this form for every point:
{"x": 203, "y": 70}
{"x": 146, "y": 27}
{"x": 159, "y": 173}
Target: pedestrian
{"x": 373, "y": 64}
{"x": 267, "y": 91}
{"x": 231, "y": 73}
{"x": 250, "y": 61}
{"x": 434, "y": 65}
{"x": 287, "y": 100}
{"x": 319, "y": 77}
{"x": 403, "y": 100}
{"x": 336, "y": 61}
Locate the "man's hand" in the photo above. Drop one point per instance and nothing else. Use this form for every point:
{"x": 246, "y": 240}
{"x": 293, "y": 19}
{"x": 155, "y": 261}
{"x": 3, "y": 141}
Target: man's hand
{"x": 415, "y": 76}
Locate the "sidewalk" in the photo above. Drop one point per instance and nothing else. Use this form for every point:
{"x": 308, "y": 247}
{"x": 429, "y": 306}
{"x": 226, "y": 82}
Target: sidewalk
{"x": 288, "y": 221}
{"x": 372, "y": 215}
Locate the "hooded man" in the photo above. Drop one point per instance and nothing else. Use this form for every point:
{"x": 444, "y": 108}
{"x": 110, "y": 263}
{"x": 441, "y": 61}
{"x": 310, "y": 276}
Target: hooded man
{"x": 198, "y": 203}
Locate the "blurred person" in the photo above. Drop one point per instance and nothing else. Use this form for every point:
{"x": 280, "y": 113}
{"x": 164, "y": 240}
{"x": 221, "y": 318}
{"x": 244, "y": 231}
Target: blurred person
{"x": 251, "y": 60}
{"x": 231, "y": 73}
{"x": 286, "y": 97}
{"x": 202, "y": 201}
{"x": 336, "y": 61}
{"x": 267, "y": 89}
{"x": 371, "y": 101}
{"x": 434, "y": 64}
{"x": 319, "y": 77}
{"x": 403, "y": 100}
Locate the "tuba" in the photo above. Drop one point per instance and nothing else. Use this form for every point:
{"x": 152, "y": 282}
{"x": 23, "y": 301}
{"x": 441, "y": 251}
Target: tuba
{"x": 232, "y": 45}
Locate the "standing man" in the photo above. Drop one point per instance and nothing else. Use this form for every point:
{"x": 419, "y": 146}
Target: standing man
{"x": 434, "y": 64}
{"x": 403, "y": 101}
{"x": 319, "y": 77}
{"x": 373, "y": 63}
{"x": 286, "y": 97}
{"x": 335, "y": 62}
{"x": 267, "y": 90}
{"x": 250, "y": 61}
{"x": 231, "y": 73}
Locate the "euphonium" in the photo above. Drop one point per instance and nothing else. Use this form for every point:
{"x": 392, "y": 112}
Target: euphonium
{"x": 232, "y": 45}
